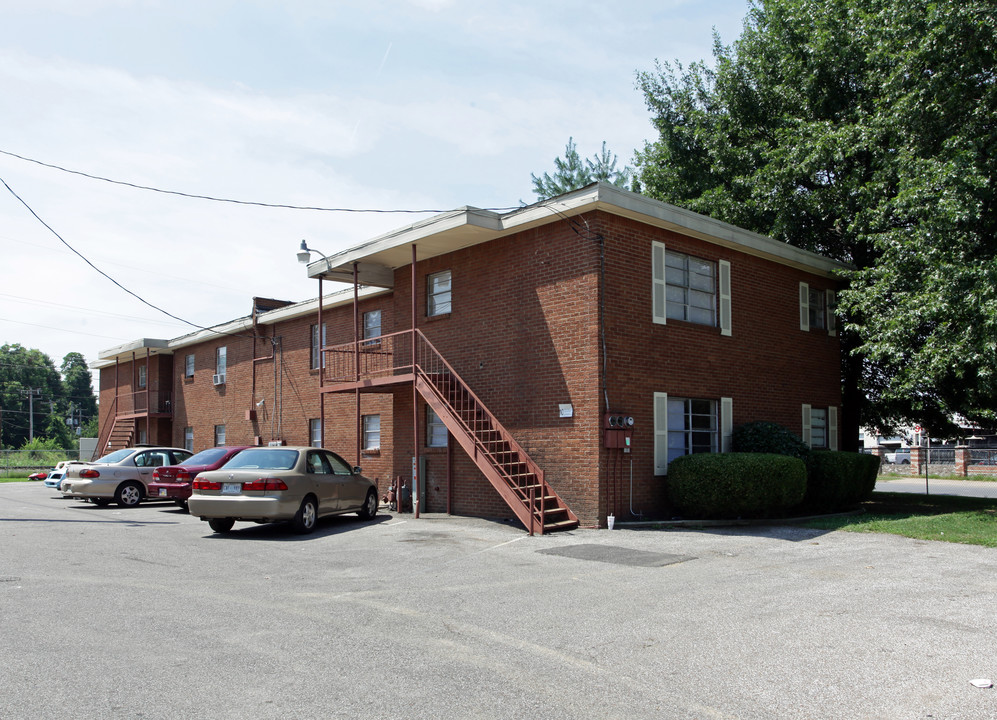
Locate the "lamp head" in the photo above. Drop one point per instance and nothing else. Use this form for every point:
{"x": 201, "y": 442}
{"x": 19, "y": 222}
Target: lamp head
{"x": 304, "y": 254}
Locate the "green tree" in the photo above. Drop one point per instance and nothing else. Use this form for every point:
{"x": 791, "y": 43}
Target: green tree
{"x": 866, "y": 132}
{"x": 572, "y": 172}
{"x": 78, "y": 384}
{"x": 30, "y": 391}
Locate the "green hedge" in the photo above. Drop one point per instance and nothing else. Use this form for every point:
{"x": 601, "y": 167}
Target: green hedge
{"x": 736, "y": 485}
{"x": 839, "y": 480}
{"x": 768, "y": 437}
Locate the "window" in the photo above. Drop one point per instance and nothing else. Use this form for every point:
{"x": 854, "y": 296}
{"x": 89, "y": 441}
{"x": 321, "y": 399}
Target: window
{"x": 315, "y": 432}
{"x": 219, "y": 435}
{"x": 188, "y": 370}
{"x": 317, "y": 347}
{"x": 436, "y": 431}
{"x": 143, "y": 437}
{"x": 221, "y": 361}
{"x": 690, "y": 289}
{"x": 817, "y": 309}
{"x": 142, "y": 375}
{"x": 188, "y": 438}
{"x": 820, "y": 427}
{"x": 438, "y": 294}
{"x": 692, "y": 427}
{"x": 371, "y": 324}
{"x": 371, "y": 432}
{"x": 683, "y": 426}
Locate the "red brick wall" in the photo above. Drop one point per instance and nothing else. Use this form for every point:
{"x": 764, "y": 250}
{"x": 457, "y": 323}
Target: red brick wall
{"x": 523, "y": 334}
{"x": 768, "y": 366}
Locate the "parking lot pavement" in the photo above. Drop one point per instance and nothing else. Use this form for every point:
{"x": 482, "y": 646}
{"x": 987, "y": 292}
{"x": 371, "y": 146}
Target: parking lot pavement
{"x": 111, "y": 613}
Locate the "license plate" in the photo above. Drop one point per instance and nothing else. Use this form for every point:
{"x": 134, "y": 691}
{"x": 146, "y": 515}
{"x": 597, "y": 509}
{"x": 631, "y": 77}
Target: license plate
{"x": 231, "y": 488}
{"x": 162, "y": 492}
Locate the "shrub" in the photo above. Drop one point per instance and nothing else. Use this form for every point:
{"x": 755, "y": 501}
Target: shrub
{"x": 838, "y": 480}
{"x": 768, "y": 437}
{"x": 732, "y": 485}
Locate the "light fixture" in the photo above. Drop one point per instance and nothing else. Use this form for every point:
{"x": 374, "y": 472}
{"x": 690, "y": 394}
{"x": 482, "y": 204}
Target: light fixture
{"x": 305, "y": 255}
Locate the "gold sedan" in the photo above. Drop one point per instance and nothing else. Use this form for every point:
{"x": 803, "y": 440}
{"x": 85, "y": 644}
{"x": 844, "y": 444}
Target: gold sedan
{"x": 271, "y": 484}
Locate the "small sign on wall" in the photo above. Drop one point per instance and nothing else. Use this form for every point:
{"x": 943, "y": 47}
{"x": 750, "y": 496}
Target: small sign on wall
{"x": 565, "y": 410}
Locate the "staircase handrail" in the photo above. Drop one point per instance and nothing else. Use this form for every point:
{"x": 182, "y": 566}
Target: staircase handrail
{"x": 105, "y": 433}
{"x": 480, "y": 406}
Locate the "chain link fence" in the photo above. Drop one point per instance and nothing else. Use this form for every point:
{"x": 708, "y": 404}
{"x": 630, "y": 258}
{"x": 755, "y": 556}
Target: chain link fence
{"x": 942, "y": 475}
{"x": 21, "y": 463}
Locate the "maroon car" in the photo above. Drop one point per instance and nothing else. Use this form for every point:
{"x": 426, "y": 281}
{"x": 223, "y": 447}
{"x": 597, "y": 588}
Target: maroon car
{"x": 172, "y": 482}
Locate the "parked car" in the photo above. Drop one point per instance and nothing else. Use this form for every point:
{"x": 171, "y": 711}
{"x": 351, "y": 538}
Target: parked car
{"x": 122, "y": 476}
{"x": 172, "y": 482}
{"x": 899, "y": 457}
{"x": 57, "y": 475}
{"x": 39, "y": 475}
{"x": 271, "y": 484}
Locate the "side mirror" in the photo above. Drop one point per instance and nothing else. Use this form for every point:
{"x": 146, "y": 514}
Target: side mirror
{"x": 357, "y": 470}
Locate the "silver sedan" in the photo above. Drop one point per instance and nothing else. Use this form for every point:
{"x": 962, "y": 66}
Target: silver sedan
{"x": 271, "y": 484}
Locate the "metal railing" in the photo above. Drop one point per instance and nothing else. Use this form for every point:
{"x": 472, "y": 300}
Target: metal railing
{"x": 383, "y": 356}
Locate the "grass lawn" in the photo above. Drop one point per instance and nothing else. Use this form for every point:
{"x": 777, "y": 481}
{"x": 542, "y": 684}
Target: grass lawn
{"x": 925, "y": 517}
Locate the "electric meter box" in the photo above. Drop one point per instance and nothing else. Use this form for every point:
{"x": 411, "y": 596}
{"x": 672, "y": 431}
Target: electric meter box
{"x": 618, "y": 430}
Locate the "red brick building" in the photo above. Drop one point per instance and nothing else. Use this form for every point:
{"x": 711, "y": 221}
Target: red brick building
{"x": 488, "y": 353}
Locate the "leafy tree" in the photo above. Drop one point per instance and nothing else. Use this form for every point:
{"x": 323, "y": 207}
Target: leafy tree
{"x": 866, "y": 132}
{"x": 30, "y": 389}
{"x": 572, "y": 172}
{"x": 78, "y": 384}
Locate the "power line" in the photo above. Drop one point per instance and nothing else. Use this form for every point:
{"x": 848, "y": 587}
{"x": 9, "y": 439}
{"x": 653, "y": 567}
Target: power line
{"x": 220, "y": 199}
{"x": 101, "y": 272}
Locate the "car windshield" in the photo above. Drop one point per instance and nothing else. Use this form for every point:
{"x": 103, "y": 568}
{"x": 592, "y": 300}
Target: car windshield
{"x": 116, "y": 456}
{"x": 205, "y": 457}
{"x": 263, "y": 459}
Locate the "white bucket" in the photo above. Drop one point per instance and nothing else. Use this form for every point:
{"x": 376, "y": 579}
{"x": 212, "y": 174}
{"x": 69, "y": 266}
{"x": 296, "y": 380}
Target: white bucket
{"x": 610, "y": 521}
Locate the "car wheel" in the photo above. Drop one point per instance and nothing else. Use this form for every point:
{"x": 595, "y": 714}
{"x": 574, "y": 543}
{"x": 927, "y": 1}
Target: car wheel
{"x": 369, "y": 509}
{"x": 100, "y": 502}
{"x": 221, "y": 525}
{"x": 128, "y": 494}
{"x": 304, "y": 519}
{"x": 905, "y": 462}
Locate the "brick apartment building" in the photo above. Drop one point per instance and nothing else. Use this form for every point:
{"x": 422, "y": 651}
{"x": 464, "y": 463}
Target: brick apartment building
{"x": 544, "y": 363}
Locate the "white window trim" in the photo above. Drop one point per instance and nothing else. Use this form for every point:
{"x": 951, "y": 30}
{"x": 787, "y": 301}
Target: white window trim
{"x": 726, "y": 423}
{"x": 659, "y": 290}
{"x": 804, "y": 307}
{"x": 723, "y": 272}
{"x": 832, "y": 428}
{"x": 832, "y": 320}
{"x": 660, "y": 433}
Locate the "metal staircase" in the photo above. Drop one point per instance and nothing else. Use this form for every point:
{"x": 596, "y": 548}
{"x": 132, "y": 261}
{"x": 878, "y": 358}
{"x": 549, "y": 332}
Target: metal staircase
{"x": 118, "y": 434}
{"x": 509, "y": 468}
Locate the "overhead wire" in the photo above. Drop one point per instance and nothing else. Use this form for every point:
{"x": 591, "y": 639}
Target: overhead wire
{"x": 105, "y": 275}
{"x": 196, "y": 196}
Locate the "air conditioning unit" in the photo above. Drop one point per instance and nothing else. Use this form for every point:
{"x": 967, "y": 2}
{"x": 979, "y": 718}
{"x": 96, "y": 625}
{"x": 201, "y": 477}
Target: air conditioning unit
{"x": 218, "y": 379}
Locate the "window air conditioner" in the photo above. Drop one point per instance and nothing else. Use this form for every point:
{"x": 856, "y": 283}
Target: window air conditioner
{"x": 218, "y": 379}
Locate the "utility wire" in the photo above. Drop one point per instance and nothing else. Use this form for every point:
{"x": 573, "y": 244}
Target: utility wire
{"x": 87, "y": 261}
{"x": 219, "y": 199}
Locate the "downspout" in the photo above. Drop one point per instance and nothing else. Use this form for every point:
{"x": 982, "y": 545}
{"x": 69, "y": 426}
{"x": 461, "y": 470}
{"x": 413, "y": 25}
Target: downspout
{"x": 356, "y": 362}
{"x": 415, "y": 402}
{"x": 321, "y": 370}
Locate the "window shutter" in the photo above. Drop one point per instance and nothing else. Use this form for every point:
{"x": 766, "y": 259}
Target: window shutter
{"x": 804, "y": 306}
{"x": 832, "y": 324}
{"x": 658, "y": 284}
{"x": 832, "y": 428}
{"x": 726, "y": 423}
{"x": 725, "y": 307}
{"x": 660, "y": 433}
{"x": 806, "y": 425}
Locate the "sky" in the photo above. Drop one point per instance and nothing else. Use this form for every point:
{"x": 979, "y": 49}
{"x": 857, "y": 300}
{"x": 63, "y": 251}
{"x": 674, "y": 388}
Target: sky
{"x": 373, "y": 105}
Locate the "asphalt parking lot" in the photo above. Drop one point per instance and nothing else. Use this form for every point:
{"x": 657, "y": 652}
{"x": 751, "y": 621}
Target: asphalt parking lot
{"x": 144, "y": 613}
